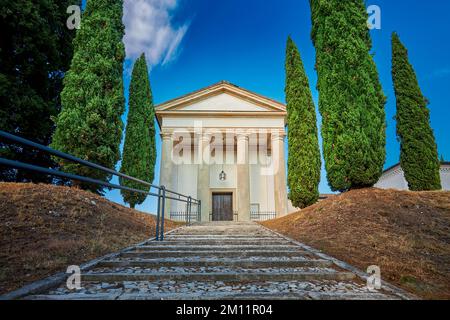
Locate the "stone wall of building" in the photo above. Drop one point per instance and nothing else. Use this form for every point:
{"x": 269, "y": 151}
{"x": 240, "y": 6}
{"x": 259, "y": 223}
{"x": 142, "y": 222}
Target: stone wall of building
{"x": 394, "y": 178}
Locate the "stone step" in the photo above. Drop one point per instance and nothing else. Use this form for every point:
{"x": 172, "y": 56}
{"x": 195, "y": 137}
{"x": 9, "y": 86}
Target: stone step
{"x": 214, "y": 290}
{"x": 196, "y": 247}
{"x": 230, "y": 233}
{"x": 216, "y": 276}
{"x": 79, "y": 296}
{"x": 152, "y": 263}
{"x": 216, "y": 261}
{"x": 215, "y": 254}
{"x": 220, "y": 237}
{"x": 259, "y": 296}
{"x": 221, "y": 241}
{"x": 208, "y": 270}
{"x": 301, "y": 295}
{"x": 218, "y": 242}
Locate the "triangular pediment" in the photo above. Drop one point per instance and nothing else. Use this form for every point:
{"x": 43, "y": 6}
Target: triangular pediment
{"x": 222, "y": 97}
{"x": 223, "y": 102}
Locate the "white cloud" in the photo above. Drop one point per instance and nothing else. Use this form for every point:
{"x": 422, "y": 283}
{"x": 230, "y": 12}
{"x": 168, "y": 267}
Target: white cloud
{"x": 443, "y": 72}
{"x": 148, "y": 29}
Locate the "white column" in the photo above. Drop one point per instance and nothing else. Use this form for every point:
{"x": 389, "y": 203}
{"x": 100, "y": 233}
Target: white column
{"x": 279, "y": 166}
{"x": 243, "y": 178}
{"x": 203, "y": 193}
{"x": 166, "y": 171}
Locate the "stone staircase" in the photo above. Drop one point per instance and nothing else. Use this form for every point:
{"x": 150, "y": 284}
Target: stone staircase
{"x": 217, "y": 261}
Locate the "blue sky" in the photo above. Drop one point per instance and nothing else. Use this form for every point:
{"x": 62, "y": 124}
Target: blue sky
{"x": 202, "y": 42}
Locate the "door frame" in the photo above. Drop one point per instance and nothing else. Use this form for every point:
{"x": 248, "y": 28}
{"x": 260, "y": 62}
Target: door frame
{"x": 223, "y": 190}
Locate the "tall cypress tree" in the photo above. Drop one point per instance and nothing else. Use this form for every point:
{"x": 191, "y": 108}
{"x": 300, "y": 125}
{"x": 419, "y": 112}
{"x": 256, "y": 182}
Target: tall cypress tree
{"x": 139, "y": 151}
{"x": 351, "y": 100}
{"x": 304, "y": 155}
{"x": 418, "y": 151}
{"x": 35, "y": 52}
{"x": 89, "y": 125}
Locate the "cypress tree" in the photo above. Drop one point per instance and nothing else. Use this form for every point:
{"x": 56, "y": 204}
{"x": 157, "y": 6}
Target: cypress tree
{"x": 89, "y": 125}
{"x": 304, "y": 161}
{"x": 418, "y": 151}
{"x": 35, "y": 52}
{"x": 139, "y": 152}
{"x": 351, "y": 100}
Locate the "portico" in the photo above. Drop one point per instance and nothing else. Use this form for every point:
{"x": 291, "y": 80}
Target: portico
{"x": 224, "y": 145}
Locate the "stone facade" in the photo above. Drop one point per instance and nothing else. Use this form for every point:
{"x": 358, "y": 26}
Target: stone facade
{"x": 225, "y": 140}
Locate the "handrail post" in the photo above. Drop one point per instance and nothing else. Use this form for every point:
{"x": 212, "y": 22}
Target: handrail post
{"x": 187, "y": 212}
{"x": 190, "y": 207}
{"x": 158, "y": 215}
{"x": 199, "y": 210}
{"x": 163, "y": 207}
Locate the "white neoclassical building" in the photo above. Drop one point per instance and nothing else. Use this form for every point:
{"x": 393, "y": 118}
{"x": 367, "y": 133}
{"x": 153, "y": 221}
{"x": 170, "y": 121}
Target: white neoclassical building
{"x": 224, "y": 145}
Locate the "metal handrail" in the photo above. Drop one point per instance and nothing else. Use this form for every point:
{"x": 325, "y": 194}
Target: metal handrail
{"x": 159, "y": 231}
{"x": 181, "y": 215}
{"x": 72, "y": 158}
{"x": 235, "y": 216}
{"x": 262, "y": 215}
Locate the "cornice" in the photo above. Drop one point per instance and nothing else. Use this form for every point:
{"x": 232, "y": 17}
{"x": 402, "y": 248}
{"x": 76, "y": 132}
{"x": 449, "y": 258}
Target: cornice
{"x": 218, "y": 88}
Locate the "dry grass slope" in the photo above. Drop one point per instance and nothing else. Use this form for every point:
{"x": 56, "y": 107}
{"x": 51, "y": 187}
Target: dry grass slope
{"x": 407, "y": 234}
{"x": 45, "y": 228}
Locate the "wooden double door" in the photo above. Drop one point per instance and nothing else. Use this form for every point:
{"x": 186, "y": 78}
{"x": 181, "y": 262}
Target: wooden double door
{"x": 222, "y": 206}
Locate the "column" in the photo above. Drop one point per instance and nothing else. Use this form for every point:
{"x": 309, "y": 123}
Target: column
{"x": 243, "y": 178}
{"x": 166, "y": 170}
{"x": 279, "y": 166}
{"x": 203, "y": 193}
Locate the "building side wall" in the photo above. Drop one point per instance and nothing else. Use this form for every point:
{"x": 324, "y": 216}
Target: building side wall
{"x": 445, "y": 177}
{"x": 395, "y": 179}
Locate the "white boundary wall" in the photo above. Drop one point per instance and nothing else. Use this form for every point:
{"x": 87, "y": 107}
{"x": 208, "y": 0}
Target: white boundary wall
{"x": 394, "y": 178}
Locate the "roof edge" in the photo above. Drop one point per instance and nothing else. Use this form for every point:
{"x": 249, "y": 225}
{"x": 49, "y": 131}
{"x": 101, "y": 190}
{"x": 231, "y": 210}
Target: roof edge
{"x": 279, "y": 104}
{"x": 445, "y": 163}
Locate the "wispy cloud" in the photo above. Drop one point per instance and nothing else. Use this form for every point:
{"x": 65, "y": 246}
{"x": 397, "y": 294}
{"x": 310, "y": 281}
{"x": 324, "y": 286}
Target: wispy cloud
{"x": 440, "y": 73}
{"x": 149, "y": 29}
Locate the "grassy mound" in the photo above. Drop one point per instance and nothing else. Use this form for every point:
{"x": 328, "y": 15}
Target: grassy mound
{"x": 45, "y": 228}
{"x": 407, "y": 234}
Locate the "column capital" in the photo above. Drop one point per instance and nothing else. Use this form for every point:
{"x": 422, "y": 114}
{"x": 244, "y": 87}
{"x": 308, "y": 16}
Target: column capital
{"x": 241, "y": 135}
{"x": 206, "y": 137}
{"x": 274, "y": 136}
{"x": 166, "y": 135}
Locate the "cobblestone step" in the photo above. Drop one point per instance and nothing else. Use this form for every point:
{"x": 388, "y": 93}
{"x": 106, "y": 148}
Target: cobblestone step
{"x": 143, "y": 290}
{"x": 221, "y": 237}
{"x": 225, "y": 242}
{"x": 215, "y": 263}
{"x": 208, "y": 270}
{"x": 206, "y": 247}
{"x": 236, "y": 233}
{"x": 218, "y": 254}
{"x": 229, "y": 234}
{"x": 300, "y": 295}
{"x": 230, "y": 277}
